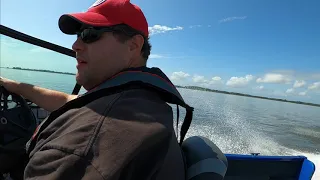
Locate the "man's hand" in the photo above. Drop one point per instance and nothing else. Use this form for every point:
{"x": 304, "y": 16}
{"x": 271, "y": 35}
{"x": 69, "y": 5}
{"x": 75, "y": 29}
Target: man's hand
{"x": 9, "y": 84}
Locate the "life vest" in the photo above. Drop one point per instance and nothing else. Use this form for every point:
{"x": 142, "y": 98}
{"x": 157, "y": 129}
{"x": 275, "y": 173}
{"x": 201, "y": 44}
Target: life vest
{"x": 142, "y": 77}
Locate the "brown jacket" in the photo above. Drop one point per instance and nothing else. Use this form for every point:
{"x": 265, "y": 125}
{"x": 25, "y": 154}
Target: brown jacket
{"x": 127, "y": 135}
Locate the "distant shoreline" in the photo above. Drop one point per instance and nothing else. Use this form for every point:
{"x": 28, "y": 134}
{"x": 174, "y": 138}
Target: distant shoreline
{"x": 39, "y": 70}
{"x": 246, "y": 95}
{"x": 186, "y": 87}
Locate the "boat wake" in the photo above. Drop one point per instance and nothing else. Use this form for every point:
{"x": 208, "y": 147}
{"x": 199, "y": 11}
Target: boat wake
{"x": 243, "y": 129}
{"x": 255, "y": 144}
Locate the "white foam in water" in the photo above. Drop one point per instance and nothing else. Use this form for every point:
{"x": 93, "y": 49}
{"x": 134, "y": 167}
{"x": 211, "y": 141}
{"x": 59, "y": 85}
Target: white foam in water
{"x": 233, "y": 135}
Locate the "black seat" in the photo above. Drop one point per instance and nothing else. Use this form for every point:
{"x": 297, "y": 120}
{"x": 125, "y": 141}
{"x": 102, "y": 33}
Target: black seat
{"x": 204, "y": 159}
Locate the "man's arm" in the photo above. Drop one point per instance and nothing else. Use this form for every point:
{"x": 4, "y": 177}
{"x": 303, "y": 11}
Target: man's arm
{"x": 47, "y": 99}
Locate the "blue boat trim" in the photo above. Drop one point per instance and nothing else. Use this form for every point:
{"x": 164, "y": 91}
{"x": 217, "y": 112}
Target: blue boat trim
{"x": 261, "y": 157}
{"x": 307, "y": 170}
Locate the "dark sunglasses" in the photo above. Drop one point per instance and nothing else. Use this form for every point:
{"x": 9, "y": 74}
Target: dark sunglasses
{"x": 91, "y": 34}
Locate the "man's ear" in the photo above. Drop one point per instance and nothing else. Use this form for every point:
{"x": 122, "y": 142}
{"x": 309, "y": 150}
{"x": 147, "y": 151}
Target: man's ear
{"x": 136, "y": 43}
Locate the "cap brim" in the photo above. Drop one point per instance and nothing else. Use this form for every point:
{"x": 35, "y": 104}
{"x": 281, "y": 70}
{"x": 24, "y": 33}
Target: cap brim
{"x": 71, "y": 23}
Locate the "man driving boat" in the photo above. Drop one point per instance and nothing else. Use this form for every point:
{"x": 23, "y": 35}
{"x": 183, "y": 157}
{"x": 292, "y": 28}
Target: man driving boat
{"x": 127, "y": 134}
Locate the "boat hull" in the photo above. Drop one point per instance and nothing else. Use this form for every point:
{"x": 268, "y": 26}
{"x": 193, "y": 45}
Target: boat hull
{"x": 251, "y": 167}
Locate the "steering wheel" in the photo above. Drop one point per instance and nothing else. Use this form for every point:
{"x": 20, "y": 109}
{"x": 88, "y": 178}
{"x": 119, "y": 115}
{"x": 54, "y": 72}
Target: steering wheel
{"x": 17, "y": 125}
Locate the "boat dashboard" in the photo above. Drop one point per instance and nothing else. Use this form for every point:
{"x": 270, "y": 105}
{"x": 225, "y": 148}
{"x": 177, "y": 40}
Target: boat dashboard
{"x": 38, "y": 112}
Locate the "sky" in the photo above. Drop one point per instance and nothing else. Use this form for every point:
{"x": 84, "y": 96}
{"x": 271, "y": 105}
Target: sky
{"x": 268, "y": 48}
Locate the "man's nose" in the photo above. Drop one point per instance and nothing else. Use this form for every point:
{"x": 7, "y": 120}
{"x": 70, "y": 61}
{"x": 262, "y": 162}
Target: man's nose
{"x": 78, "y": 45}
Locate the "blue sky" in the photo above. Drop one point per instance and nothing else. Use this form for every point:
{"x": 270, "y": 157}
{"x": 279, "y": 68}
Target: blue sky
{"x": 269, "y": 48}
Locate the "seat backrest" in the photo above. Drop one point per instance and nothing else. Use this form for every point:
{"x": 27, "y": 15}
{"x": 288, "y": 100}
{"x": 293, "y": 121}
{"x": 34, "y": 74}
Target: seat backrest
{"x": 204, "y": 159}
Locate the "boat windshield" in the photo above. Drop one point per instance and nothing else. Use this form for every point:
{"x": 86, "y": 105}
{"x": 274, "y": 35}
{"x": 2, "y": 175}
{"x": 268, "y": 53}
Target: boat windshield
{"x": 250, "y": 70}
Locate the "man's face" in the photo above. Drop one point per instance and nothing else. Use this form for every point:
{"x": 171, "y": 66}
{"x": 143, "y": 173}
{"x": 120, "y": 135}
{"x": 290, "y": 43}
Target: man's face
{"x": 99, "y": 60}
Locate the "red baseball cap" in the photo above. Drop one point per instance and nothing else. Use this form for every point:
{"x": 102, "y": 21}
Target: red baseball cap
{"x": 106, "y": 13}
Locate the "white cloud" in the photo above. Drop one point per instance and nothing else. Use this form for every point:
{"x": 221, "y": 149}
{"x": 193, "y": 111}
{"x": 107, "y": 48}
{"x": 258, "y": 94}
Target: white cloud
{"x": 179, "y": 75}
{"x": 199, "y": 79}
{"x": 289, "y": 91}
{"x": 306, "y": 76}
{"x": 259, "y": 88}
{"x": 315, "y": 86}
{"x": 239, "y": 81}
{"x": 274, "y": 78}
{"x": 299, "y": 84}
{"x": 229, "y": 19}
{"x": 155, "y": 56}
{"x": 249, "y": 77}
{"x": 195, "y": 26}
{"x": 216, "y": 78}
{"x": 158, "y": 29}
{"x": 303, "y": 93}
